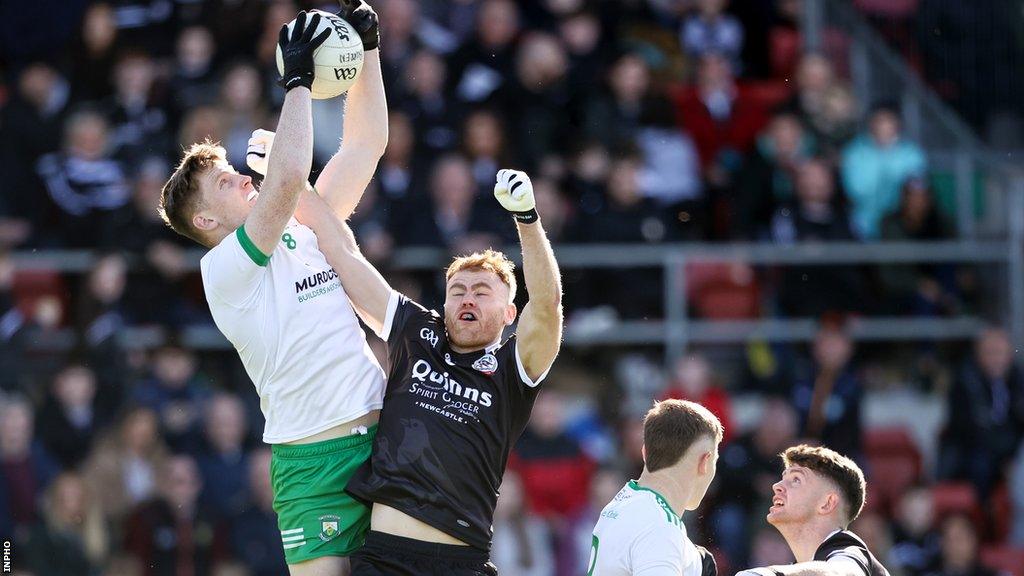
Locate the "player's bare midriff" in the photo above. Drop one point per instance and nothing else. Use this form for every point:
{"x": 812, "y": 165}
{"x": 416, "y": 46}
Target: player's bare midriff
{"x": 391, "y": 521}
{"x": 341, "y": 430}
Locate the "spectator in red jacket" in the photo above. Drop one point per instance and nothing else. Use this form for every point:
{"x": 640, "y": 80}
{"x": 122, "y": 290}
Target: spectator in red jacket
{"x": 554, "y": 469}
{"x": 722, "y": 120}
{"x": 694, "y": 380}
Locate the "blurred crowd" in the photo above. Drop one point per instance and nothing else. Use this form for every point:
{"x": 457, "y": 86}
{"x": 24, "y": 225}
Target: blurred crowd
{"x": 959, "y": 48}
{"x": 640, "y": 121}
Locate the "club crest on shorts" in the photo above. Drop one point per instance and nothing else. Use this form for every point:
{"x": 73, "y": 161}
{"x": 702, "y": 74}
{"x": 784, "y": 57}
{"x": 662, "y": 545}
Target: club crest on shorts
{"x": 486, "y": 364}
{"x": 329, "y": 527}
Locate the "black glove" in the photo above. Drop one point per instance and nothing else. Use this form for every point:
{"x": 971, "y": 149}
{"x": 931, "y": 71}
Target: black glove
{"x": 297, "y": 52}
{"x": 363, "y": 18}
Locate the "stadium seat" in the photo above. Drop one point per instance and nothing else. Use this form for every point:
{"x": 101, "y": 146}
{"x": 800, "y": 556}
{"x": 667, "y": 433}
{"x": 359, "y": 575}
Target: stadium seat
{"x": 1007, "y": 559}
{"x": 1000, "y": 508}
{"x": 956, "y": 498}
{"x": 890, "y": 441}
{"x": 894, "y": 463}
{"x": 32, "y": 286}
{"x": 723, "y": 291}
{"x": 889, "y": 478}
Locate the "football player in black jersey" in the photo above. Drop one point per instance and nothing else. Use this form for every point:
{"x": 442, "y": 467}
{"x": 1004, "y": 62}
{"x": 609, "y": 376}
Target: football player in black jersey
{"x": 457, "y": 396}
{"x": 821, "y": 492}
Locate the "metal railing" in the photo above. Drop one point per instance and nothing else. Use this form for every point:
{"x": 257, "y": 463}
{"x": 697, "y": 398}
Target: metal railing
{"x": 878, "y": 74}
{"x": 677, "y": 330}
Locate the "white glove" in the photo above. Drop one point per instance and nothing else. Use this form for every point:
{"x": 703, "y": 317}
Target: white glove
{"x": 258, "y": 151}
{"x": 515, "y": 193}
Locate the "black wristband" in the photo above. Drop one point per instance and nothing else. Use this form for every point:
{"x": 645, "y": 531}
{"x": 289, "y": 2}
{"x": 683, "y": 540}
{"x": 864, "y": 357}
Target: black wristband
{"x": 528, "y": 217}
{"x": 304, "y": 79}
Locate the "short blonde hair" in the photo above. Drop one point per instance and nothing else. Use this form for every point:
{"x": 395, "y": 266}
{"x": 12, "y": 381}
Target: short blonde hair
{"x": 179, "y": 198}
{"x": 487, "y": 261}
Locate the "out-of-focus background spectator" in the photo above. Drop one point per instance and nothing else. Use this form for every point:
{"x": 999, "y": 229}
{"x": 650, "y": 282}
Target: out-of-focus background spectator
{"x": 129, "y": 432}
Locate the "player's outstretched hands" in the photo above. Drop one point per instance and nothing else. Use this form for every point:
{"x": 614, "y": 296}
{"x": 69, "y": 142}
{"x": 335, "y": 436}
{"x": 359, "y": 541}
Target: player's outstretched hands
{"x": 257, "y": 153}
{"x": 363, "y": 18}
{"x": 515, "y": 193}
{"x": 297, "y": 51}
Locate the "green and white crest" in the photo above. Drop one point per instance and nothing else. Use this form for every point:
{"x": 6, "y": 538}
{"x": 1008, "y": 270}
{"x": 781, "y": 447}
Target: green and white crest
{"x": 329, "y": 527}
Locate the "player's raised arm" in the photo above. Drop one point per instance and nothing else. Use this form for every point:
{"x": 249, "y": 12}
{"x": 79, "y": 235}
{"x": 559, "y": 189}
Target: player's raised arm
{"x": 366, "y": 288}
{"x": 365, "y": 129}
{"x": 539, "y": 334}
{"x": 292, "y": 158}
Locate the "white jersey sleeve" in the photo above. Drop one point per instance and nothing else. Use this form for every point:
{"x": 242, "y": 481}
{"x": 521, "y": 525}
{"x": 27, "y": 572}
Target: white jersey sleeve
{"x": 234, "y": 270}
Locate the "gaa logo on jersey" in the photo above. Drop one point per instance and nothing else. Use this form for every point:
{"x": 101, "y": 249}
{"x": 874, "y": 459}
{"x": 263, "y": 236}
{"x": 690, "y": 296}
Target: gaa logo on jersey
{"x": 486, "y": 364}
{"x": 329, "y": 527}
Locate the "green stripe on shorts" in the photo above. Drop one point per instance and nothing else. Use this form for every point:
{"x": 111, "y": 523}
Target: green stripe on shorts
{"x": 314, "y": 514}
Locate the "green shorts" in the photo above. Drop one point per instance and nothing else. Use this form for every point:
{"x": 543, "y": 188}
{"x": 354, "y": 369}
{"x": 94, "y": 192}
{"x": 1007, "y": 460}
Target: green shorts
{"x": 315, "y": 515}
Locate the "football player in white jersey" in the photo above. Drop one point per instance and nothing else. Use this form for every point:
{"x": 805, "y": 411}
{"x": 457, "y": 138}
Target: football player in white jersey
{"x": 275, "y": 297}
{"x": 641, "y": 532}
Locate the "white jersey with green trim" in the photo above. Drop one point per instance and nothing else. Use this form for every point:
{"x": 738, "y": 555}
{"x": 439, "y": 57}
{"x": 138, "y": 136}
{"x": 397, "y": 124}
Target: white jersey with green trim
{"x": 296, "y": 332}
{"x": 638, "y": 534}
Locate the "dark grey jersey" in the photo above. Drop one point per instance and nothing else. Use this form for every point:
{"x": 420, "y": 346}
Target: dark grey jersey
{"x": 448, "y": 425}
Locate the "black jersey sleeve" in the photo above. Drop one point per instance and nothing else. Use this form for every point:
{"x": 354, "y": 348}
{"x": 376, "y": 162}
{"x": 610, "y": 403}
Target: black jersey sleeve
{"x": 401, "y": 314}
{"x": 846, "y": 545}
{"x": 707, "y": 560}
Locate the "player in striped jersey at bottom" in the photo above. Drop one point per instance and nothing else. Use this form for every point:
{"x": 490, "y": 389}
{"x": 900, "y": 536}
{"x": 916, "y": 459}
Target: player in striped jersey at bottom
{"x": 641, "y": 532}
{"x": 820, "y": 494}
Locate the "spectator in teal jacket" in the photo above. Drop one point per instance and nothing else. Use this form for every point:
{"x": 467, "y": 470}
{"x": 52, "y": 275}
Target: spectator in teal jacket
{"x": 874, "y": 167}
